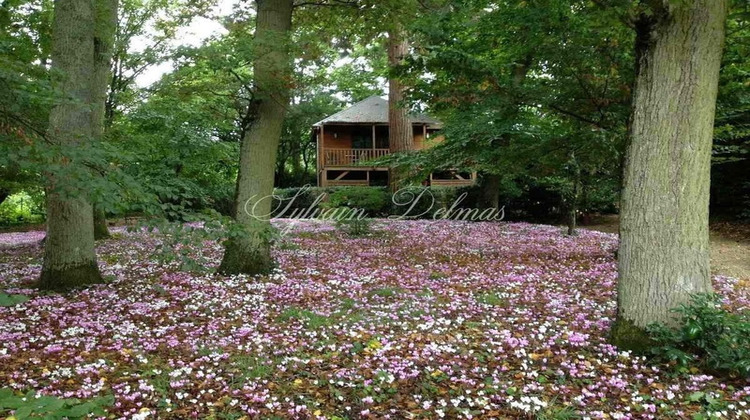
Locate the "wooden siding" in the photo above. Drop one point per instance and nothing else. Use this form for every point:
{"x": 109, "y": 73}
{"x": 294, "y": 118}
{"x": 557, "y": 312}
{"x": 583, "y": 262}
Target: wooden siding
{"x": 350, "y": 157}
{"x": 335, "y": 152}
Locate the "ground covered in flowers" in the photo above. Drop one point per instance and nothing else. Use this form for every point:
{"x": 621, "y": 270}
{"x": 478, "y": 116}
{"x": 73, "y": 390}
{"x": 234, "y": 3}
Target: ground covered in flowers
{"x": 422, "y": 319}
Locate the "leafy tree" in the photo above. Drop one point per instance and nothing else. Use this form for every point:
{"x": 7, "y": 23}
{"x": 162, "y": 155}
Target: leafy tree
{"x": 250, "y": 253}
{"x": 25, "y": 92}
{"x": 730, "y": 189}
{"x": 530, "y": 91}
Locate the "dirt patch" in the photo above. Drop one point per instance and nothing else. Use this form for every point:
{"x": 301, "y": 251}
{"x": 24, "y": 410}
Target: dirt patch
{"x": 730, "y": 244}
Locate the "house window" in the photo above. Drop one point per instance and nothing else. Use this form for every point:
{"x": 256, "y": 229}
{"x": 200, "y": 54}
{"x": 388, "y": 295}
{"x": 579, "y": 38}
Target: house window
{"x": 362, "y": 138}
{"x": 381, "y": 137}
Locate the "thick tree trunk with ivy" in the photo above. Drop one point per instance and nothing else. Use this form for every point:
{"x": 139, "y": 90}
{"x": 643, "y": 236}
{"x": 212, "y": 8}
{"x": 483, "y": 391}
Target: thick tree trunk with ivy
{"x": 401, "y": 133}
{"x": 69, "y": 256}
{"x": 250, "y": 252}
{"x": 104, "y": 39}
{"x": 664, "y": 255}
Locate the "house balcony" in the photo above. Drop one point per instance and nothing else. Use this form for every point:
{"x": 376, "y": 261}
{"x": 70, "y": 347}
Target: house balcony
{"x": 343, "y": 158}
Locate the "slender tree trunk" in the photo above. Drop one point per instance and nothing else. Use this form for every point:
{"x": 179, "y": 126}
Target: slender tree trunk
{"x": 251, "y": 252}
{"x": 663, "y": 256}
{"x": 104, "y": 39}
{"x": 490, "y": 187}
{"x": 575, "y": 196}
{"x": 4, "y": 193}
{"x": 490, "y": 191}
{"x": 69, "y": 256}
{"x": 401, "y": 133}
{"x": 101, "y": 230}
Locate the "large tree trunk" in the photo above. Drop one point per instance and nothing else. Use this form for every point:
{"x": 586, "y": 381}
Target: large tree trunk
{"x": 401, "y": 133}
{"x": 663, "y": 256}
{"x": 251, "y": 252}
{"x": 104, "y": 39}
{"x": 69, "y": 256}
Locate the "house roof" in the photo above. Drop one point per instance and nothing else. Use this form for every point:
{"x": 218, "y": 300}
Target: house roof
{"x": 373, "y": 110}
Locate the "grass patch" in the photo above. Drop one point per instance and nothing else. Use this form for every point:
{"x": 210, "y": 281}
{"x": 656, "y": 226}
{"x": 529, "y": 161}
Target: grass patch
{"x": 491, "y": 298}
{"x": 309, "y": 318}
{"x": 248, "y": 367}
{"x": 386, "y": 292}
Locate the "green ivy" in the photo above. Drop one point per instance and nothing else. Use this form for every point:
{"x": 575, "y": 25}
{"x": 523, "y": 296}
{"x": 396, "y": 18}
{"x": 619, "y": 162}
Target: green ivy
{"x": 33, "y": 406}
{"x": 709, "y": 337}
{"x": 12, "y": 300}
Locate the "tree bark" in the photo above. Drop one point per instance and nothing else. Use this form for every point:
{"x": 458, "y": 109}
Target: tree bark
{"x": 69, "y": 256}
{"x": 663, "y": 256}
{"x": 104, "y": 39}
{"x": 575, "y": 197}
{"x": 400, "y": 134}
{"x": 101, "y": 229}
{"x": 490, "y": 187}
{"x": 250, "y": 253}
{"x": 4, "y": 193}
{"x": 490, "y": 191}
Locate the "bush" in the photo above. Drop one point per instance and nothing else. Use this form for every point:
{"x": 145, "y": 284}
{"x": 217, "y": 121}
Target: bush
{"x": 423, "y": 202}
{"x": 709, "y": 336}
{"x": 373, "y": 200}
{"x": 294, "y": 201}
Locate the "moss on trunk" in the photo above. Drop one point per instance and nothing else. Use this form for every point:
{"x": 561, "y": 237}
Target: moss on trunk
{"x": 244, "y": 256}
{"x": 625, "y": 335}
{"x": 101, "y": 230}
{"x": 70, "y": 277}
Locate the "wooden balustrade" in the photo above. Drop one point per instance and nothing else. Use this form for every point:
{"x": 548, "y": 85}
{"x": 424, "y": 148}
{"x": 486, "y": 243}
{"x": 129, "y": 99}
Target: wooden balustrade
{"x": 351, "y": 157}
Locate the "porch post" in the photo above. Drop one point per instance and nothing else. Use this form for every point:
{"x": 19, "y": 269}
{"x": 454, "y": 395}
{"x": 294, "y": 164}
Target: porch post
{"x": 322, "y": 146}
{"x": 373, "y": 137}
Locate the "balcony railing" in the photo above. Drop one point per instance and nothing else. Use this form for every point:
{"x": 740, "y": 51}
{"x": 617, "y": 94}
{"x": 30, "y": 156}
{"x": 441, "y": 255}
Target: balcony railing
{"x": 351, "y": 157}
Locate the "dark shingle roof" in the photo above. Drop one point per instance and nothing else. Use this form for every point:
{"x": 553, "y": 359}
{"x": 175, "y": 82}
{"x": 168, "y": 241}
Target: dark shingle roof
{"x": 373, "y": 110}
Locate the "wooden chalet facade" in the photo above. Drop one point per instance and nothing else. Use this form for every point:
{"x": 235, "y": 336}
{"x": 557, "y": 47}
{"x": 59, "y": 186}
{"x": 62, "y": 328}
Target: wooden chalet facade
{"x": 359, "y": 134}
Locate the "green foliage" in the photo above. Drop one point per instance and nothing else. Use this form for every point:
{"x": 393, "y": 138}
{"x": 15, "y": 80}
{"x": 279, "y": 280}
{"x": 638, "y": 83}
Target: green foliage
{"x": 375, "y": 201}
{"x": 295, "y": 202}
{"x": 22, "y": 208}
{"x": 33, "y": 406}
{"x": 424, "y": 202}
{"x": 708, "y": 336}
{"x": 296, "y": 158}
{"x": 12, "y": 300}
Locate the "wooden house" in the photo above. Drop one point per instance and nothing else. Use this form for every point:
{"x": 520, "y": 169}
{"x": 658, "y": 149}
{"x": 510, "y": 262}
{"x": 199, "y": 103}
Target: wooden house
{"x": 358, "y": 134}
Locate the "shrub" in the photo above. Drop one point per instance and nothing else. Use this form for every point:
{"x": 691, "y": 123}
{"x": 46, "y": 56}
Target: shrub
{"x": 709, "y": 336}
{"x": 430, "y": 199}
{"x": 294, "y": 201}
{"x": 374, "y": 200}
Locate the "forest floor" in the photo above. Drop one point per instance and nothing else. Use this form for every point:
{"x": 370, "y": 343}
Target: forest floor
{"x": 730, "y": 245}
{"x": 420, "y": 319}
